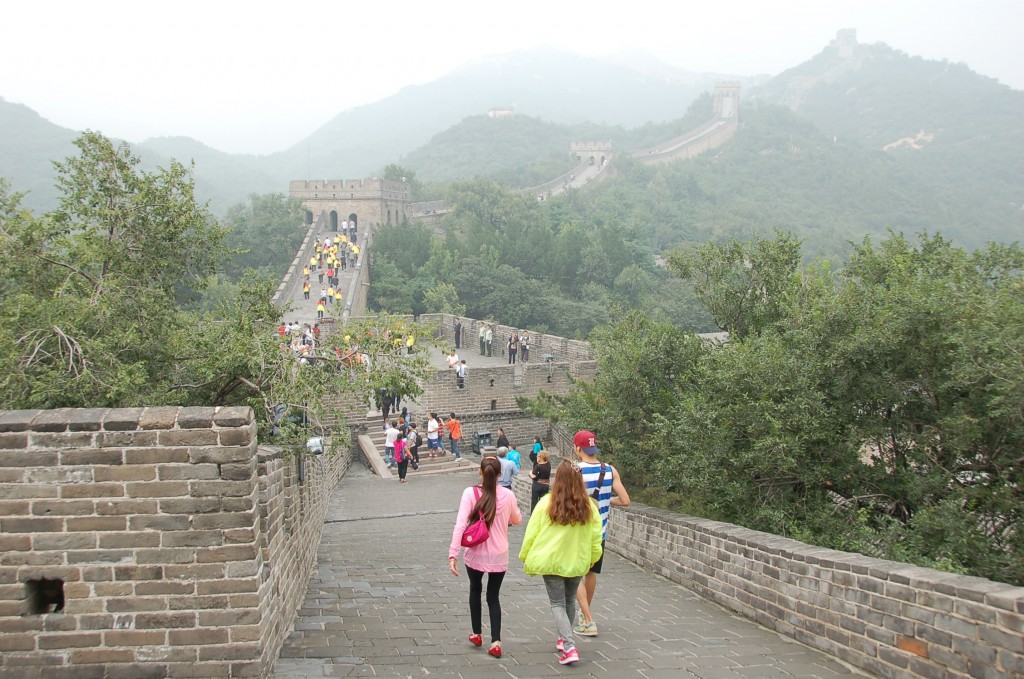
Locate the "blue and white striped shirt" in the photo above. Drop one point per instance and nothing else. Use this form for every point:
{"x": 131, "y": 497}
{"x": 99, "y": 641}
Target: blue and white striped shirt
{"x": 591, "y": 473}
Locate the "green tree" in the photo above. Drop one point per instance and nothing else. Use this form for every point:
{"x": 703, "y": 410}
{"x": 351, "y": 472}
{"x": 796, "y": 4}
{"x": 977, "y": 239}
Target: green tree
{"x": 876, "y": 410}
{"x": 443, "y": 298}
{"x": 93, "y": 313}
{"x": 265, "y": 232}
{"x": 742, "y": 284}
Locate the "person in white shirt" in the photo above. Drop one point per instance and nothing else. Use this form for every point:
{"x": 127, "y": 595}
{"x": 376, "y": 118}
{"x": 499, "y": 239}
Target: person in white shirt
{"x": 390, "y": 434}
{"x": 433, "y": 439}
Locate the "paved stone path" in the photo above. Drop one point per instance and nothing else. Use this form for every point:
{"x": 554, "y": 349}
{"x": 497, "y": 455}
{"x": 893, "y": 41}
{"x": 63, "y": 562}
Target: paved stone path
{"x": 382, "y": 603}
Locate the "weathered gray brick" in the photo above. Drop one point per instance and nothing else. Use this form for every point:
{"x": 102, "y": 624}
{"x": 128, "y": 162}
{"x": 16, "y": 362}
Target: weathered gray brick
{"x": 122, "y": 419}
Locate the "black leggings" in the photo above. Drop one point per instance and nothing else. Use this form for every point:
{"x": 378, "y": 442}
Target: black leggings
{"x": 476, "y": 588}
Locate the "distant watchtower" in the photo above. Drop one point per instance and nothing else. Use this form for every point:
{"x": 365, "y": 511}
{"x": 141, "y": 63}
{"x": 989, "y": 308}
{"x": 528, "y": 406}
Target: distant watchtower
{"x": 727, "y": 100}
{"x": 366, "y": 201}
{"x": 845, "y": 42}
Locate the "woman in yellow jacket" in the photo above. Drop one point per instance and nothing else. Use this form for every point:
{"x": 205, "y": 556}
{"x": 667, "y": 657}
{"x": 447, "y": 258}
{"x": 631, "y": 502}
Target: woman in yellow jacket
{"x": 562, "y": 542}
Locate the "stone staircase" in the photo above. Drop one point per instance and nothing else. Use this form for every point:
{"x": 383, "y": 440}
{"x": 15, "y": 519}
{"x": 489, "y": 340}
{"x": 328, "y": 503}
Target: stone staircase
{"x": 443, "y": 464}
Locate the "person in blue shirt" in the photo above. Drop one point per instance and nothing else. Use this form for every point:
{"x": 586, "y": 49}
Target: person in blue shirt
{"x": 508, "y": 469}
{"x": 514, "y": 456}
{"x": 537, "y": 447}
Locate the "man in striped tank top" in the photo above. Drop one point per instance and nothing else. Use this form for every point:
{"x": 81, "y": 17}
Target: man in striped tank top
{"x": 605, "y": 486}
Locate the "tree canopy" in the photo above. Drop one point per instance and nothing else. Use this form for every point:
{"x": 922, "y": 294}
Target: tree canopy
{"x": 100, "y": 303}
{"x": 878, "y": 409}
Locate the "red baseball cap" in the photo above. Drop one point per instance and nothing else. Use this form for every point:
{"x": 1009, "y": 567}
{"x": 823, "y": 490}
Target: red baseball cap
{"x": 586, "y": 440}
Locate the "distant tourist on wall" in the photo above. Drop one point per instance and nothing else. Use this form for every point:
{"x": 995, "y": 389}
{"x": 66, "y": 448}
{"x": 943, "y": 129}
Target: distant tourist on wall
{"x": 524, "y": 346}
{"x": 537, "y": 447}
{"x": 433, "y": 436}
{"x": 483, "y": 339}
{"x": 458, "y": 333}
{"x": 512, "y": 348}
{"x": 454, "y": 428}
{"x": 541, "y": 475}
{"x": 508, "y": 469}
{"x": 460, "y": 375}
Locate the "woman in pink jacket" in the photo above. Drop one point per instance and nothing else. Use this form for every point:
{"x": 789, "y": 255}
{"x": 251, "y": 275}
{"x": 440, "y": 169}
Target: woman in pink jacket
{"x": 500, "y": 511}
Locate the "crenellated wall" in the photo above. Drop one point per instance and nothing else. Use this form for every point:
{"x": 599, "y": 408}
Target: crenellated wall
{"x": 178, "y": 548}
{"x": 373, "y": 201}
{"x": 576, "y": 353}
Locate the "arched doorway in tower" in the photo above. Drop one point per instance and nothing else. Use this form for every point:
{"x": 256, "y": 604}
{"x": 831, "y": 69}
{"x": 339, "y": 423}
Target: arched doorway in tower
{"x": 334, "y": 220}
{"x": 353, "y": 225}
{"x": 309, "y": 217}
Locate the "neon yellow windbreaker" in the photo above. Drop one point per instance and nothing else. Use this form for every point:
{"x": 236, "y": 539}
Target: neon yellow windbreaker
{"x": 552, "y": 549}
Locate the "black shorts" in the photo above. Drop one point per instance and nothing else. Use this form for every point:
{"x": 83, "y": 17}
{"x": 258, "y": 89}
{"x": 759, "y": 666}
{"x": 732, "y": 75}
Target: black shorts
{"x": 596, "y": 568}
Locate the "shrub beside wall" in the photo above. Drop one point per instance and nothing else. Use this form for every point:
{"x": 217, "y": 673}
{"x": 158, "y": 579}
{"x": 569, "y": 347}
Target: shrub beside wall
{"x": 150, "y": 542}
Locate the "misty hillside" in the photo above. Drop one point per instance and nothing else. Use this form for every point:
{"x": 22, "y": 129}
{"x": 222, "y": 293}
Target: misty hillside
{"x": 521, "y": 151}
{"x": 947, "y": 140}
{"x": 28, "y": 145}
{"x": 543, "y": 83}
{"x": 961, "y": 129}
{"x": 848, "y": 144}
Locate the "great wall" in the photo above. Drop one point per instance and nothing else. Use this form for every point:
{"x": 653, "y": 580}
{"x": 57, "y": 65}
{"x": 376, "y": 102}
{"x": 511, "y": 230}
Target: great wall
{"x": 170, "y": 542}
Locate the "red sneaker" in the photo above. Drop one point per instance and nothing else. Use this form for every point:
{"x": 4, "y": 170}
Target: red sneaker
{"x": 495, "y": 650}
{"x": 569, "y": 657}
{"x": 476, "y": 639}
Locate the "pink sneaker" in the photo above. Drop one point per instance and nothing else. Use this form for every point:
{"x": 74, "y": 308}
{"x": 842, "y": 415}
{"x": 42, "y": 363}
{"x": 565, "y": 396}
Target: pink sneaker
{"x": 560, "y": 645}
{"x": 569, "y": 657}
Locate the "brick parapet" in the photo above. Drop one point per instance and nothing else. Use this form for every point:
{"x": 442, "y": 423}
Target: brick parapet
{"x": 576, "y": 353}
{"x": 493, "y": 390}
{"x": 889, "y": 618}
{"x": 181, "y": 551}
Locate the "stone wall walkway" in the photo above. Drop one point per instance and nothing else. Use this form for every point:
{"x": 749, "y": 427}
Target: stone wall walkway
{"x": 383, "y": 603}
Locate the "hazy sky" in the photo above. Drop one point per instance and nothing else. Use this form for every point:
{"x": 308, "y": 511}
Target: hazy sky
{"x": 259, "y": 75}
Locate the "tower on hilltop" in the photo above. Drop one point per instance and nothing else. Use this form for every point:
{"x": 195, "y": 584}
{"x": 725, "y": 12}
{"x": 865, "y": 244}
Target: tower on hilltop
{"x": 727, "y": 100}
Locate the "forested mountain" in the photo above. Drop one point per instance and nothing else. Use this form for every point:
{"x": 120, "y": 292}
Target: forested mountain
{"x": 951, "y": 128}
{"x": 522, "y": 151}
{"x": 543, "y": 83}
{"x": 781, "y": 172}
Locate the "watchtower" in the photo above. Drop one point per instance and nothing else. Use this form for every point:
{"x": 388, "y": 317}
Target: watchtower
{"x": 597, "y": 151}
{"x": 727, "y": 100}
{"x": 370, "y": 201}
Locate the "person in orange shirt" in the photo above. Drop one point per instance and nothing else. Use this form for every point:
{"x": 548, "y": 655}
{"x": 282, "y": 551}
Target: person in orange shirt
{"x": 454, "y": 428}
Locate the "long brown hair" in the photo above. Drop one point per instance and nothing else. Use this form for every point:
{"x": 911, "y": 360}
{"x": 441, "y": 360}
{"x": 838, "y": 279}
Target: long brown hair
{"x": 570, "y": 503}
{"x": 490, "y": 469}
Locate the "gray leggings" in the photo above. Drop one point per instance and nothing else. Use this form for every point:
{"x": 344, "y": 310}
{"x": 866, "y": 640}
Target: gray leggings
{"x": 562, "y": 597}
